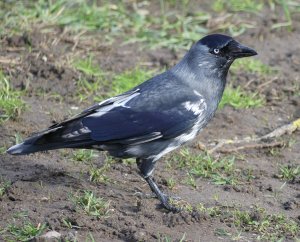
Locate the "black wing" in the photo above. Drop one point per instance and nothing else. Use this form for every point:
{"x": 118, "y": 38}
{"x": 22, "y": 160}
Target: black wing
{"x": 122, "y": 122}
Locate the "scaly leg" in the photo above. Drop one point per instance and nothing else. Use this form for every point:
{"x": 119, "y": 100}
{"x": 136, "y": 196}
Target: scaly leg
{"x": 146, "y": 167}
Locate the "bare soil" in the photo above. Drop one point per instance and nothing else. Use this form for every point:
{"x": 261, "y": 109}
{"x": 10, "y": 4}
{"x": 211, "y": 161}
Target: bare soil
{"x": 43, "y": 183}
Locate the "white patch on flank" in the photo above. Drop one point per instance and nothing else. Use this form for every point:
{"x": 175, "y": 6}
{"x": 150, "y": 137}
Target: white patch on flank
{"x": 199, "y": 109}
{"x": 188, "y": 136}
{"x": 181, "y": 139}
{"x": 195, "y": 107}
{"x": 165, "y": 151}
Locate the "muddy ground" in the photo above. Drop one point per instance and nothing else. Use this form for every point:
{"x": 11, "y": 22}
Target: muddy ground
{"x": 41, "y": 184}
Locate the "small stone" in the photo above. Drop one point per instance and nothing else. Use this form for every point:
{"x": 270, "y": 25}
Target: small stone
{"x": 44, "y": 199}
{"x": 50, "y": 236}
{"x": 139, "y": 236}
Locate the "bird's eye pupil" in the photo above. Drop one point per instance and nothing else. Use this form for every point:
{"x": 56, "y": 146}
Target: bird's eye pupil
{"x": 216, "y": 51}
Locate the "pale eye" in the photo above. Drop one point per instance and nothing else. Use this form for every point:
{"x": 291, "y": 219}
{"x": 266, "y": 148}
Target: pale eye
{"x": 216, "y": 51}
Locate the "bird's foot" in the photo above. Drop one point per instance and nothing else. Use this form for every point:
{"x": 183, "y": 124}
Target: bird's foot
{"x": 169, "y": 202}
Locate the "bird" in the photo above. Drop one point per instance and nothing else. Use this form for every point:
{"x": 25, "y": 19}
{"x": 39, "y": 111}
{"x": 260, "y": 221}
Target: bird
{"x": 153, "y": 118}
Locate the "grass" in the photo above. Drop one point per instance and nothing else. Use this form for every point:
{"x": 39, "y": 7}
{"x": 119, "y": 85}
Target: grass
{"x": 67, "y": 223}
{"x": 166, "y": 238}
{"x": 25, "y": 232}
{"x": 284, "y": 8}
{"x": 173, "y": 30}
{"x": 91, "y": 204}
{"x": 88, "y": 67}
{"x": 4, "y": 185}
{"x": 75, "y": 16}
{"x": 84, "y": 155}
{"x": 98, "y": 175}
{"x": 190, "y": 180}
{"x": 128, "y": 79}
{"x": 288, "y": 7}
{"x": 269, "y": 227}
{"x": 253, "y": 6}
{"x": 266, "y": 227}
{"x": 171, "y": 183}
{"x": 92, "y": 80}
{"x": 287, "y": 12}
{"x": 251, "y": 65}
{"x": 220, "y": 171}
{"x": 11, "y": 104}
{"x": 240, "y": 99}
{"x": 174, "y": 25}
{"x": 3, "y": 150}
{"x": 289, "y": 172}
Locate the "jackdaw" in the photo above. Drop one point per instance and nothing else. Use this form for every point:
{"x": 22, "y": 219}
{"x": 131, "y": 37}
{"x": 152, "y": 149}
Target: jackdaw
{"x": 153, "y": 118}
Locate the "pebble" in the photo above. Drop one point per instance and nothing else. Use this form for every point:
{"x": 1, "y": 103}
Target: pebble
{"x": 49, "y": 236}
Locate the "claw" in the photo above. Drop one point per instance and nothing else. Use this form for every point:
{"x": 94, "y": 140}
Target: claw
{"x": 166, "y": 203}
{"x": 163, "y": 198}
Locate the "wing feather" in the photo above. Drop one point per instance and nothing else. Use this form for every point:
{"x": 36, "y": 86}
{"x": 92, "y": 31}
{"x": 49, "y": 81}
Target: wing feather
{"x": 124, "y": 124}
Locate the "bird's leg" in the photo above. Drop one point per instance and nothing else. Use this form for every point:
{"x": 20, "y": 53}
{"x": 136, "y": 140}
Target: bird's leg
{"x": 146, "y": 167}
{"x": 163, "y": 198}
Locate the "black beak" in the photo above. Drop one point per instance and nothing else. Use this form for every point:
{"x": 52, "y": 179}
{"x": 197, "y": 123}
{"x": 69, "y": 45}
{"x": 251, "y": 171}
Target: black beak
{"x": 239, "y": 51}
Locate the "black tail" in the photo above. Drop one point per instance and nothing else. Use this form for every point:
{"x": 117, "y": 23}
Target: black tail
{"x": 22, "y": 149}
{"x": 56, "y": 137}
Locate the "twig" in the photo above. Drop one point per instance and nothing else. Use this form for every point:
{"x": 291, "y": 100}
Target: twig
{"x": 249, "y": 82}
{"x": 252, "y": 146}
{"x": 263, "y": 85}
{"x": 285, "y": 129}
{"x": 9, "y": 61}
{"x": 14, "y": 49}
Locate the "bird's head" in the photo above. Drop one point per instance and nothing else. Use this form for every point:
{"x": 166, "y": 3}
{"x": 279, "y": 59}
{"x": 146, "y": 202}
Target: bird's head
{"x": 216, "y": 52}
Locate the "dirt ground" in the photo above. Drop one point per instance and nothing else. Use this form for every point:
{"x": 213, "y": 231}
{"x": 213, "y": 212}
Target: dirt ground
{"x": 41, "y": 184}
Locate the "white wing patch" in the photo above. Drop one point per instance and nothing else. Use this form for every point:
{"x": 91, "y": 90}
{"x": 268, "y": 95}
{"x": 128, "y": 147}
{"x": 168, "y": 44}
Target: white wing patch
{"x": 105, "y": 106}
{"x": 118, "y": 103}
{"x": 79, "y": 132}
{"x": 196, "y": 107}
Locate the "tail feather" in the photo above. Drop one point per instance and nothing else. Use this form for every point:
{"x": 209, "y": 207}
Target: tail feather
{"x": 21, "y": 149}
{"x": 54, "y": 138}
{"x": 24, "y": 149}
